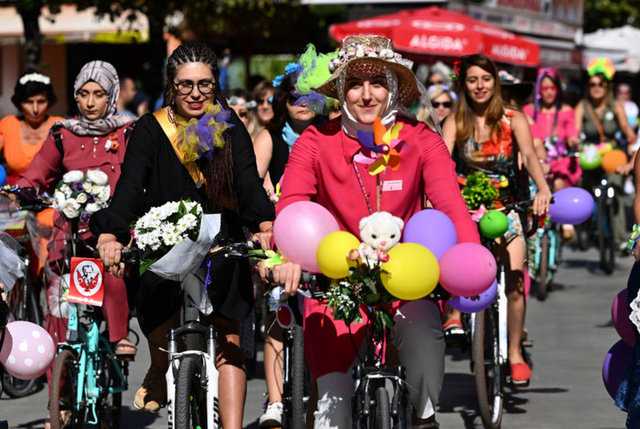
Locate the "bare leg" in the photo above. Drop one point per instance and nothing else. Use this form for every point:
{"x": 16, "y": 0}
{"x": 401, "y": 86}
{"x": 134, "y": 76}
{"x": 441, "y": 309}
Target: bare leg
{"x": 273, "y": 359}
{"x": 233, "y": 377}
{"x": 158, "y": 339}
{"x": 515, "y": 296}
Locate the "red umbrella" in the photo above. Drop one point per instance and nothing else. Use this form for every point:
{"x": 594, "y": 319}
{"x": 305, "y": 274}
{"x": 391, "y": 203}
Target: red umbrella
{"x": 437, "y": 31}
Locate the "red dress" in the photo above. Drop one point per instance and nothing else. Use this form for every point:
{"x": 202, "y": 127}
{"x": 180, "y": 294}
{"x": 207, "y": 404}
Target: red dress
{"x": 46, "y": 170}
{"x": 320, "y": 169}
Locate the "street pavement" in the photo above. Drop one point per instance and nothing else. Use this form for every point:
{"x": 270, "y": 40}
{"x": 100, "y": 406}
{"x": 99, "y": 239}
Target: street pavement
{"x": 571, "y": 332}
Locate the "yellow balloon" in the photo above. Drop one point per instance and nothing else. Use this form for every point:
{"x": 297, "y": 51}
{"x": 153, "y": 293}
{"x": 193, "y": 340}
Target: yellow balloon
{"x": 332, "y": 254}
{"x": 413, "y": 271}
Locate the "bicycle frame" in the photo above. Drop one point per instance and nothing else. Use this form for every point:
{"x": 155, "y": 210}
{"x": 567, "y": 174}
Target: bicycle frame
{"x": 87, "y": 342}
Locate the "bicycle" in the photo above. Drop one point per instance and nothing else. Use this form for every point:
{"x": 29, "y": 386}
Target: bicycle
{"x": 606, "y": 209}
{"x": 22, "y": 299}
{"x": 87, "y": 379}
{"x": 490, "y": 341}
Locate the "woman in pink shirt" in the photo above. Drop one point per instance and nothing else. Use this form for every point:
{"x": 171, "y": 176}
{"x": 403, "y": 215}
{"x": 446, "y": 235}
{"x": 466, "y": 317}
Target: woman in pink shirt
{"x": 328, "y": 165}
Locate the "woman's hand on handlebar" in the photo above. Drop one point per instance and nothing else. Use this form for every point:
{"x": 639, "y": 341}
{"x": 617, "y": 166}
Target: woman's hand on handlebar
{"x": 541, "y": 201}
{"x": 286, "y": 275}
{"x": 110, "y": 250}
{"x": 265, "y": 235}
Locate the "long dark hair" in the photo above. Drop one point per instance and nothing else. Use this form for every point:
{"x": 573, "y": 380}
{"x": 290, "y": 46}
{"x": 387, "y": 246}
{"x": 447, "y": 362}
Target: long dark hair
{"x": 219, "y": 171}
{"x": 464, "y": 114}
{"x": 554, "y": 76}
{"x": 279, "y": 104}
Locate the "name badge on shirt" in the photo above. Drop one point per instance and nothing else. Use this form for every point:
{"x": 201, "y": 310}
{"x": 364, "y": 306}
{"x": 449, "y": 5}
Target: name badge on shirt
{"x": 392, "y": 185}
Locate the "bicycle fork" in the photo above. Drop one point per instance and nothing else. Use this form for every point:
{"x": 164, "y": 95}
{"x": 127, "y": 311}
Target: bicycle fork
{"x": 503, "y": 337}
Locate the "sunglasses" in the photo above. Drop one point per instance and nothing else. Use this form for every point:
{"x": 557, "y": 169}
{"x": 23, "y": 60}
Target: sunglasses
{"x": 438, "y": 82}
{"x": 551, "y": 88}
{"x": 602, "y": 84}
{"x": 243, "y": 114}
{"x": 446, "y": 104}
{"x": 264, "y": 100}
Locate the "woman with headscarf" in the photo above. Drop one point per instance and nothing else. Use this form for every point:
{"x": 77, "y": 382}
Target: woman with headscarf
{"x": 94, "y": 140}
{"x": 329, "y": 165}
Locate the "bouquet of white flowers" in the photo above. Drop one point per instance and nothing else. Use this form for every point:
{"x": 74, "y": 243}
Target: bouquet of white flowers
{"x": 79, "y": 194}
{"x": 174, "y": 238}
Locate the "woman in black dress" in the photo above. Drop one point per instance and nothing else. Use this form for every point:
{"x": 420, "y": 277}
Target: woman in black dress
{"x": 157, "y": 169}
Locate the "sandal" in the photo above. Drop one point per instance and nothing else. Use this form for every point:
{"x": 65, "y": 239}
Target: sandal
{"x": 125, "y": 349}
{"x": 152, "y": 395}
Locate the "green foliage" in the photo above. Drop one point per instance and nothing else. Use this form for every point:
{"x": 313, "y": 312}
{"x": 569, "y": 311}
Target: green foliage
{"x": 362, "y": 288}
{"x": 479, "y": 190}
{"x": 610, "y": 14}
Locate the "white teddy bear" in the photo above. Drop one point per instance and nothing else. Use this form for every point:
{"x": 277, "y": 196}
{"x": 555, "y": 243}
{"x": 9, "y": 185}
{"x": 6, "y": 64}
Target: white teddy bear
{"x": 379, "y": 232}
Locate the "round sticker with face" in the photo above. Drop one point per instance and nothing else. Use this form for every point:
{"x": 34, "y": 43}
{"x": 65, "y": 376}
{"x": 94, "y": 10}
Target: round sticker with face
{"x": 87, "y": 278}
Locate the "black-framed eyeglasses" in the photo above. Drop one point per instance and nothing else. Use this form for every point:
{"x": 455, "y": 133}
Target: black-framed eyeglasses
{"x": 602, "y": 84}
{"x": 446, "y": 104}
{"x": 185, "y": 87}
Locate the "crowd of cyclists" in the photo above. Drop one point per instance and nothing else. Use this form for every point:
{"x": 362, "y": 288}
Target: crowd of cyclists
{"x": 297, "y": 139}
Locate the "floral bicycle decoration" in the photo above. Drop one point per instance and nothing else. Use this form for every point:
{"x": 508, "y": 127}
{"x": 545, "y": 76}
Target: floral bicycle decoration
{"x": 79, "y": 194}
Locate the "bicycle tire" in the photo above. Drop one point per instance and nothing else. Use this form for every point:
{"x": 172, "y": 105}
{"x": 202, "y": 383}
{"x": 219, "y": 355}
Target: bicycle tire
{"x": 62, "y": 396}
{"x": 109, "y": 407}
{"x": 606, "y": 242}
{"x": 298, "y": 408}
{"x": 382, "y": 413}
{"x": 582, "y": 235}
{"x": 191, "y": 397}
{"x": 544, "y": 278}
{"x": 487, "y": 370}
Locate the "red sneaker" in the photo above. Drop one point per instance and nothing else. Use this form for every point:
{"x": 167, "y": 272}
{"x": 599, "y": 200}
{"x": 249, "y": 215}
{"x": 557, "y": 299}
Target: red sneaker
{"x": 520, "y": 373}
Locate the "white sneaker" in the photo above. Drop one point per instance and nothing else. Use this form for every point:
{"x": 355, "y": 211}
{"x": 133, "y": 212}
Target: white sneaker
{"x": 272, "y": 417}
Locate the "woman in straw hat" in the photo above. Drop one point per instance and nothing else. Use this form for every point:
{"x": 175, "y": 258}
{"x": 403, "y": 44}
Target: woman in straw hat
{"x": 331, "y": 166}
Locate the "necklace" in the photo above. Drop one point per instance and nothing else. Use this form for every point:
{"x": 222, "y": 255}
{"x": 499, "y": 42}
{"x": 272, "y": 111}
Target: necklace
{"x": 379, "y": 183}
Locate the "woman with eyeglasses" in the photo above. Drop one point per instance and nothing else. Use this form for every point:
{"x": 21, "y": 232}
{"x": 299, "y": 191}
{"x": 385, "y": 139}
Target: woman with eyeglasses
{"x": 599, "y": 116}
{"x": 263, "y": 96}
{"x": 167, "y": 161}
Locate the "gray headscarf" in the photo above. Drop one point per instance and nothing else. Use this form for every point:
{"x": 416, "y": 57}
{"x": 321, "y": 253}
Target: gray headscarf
{"x": 105, "y": 75}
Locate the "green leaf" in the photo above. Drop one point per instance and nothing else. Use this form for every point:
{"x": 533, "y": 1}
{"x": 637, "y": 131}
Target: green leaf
{"x": 146, "y": 263}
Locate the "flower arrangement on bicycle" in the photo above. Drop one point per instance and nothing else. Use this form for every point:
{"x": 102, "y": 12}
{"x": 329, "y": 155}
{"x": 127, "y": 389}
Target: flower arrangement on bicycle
{"x": 174, "y": 238}
{"x": 79, "y": 194}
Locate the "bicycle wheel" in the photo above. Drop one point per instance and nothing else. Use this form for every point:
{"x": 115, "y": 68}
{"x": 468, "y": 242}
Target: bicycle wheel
{"x": 298, "y": 409}
{"x": 382, "y": 417}
{"x": 64, "y": 412}
{"x": 109, "y": 407}
{"x": 544, "y": 277}
{"x": 191, "y": 396}
{"x": 487, "y": 369}
{"x": 606, "y": 242}
{"x": 22, "y": 301}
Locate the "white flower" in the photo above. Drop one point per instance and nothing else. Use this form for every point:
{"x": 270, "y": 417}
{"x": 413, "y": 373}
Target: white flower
{"x": 58, "y": 200}
{"x": 72, "y": 176}
{"x": 92, "y": 208}
{"x": 81, "y": 198}
{"x": 104, "y": 193}
{"x": 98, "y": 177}
{"x": 386, "y": 53}
{"x": 360, "y": 52}
{"x": 70, "y": 208}
{"x": 634, "y": 316}
{"x": 351, "y": 51}
{"x": 88, "y": 187}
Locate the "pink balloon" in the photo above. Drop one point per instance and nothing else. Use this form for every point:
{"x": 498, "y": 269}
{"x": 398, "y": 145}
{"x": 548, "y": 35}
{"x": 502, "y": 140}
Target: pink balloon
{"x": 467, "y": 269}
{"x": 298, "y": 230}
{"x": 27, "y": 351}
{"x": 620, "y": 317}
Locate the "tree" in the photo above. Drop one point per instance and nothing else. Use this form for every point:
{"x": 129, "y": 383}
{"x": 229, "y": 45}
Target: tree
{"x": 610, "y": 14}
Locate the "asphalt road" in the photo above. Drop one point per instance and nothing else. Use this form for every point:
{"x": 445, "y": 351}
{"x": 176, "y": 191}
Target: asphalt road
{"x": 571, "y": 332}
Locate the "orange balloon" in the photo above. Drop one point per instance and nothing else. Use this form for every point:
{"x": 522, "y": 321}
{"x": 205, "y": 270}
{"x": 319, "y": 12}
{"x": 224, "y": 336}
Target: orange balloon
{"x": 45, "y": 217}
{"x": 612, "y": 160}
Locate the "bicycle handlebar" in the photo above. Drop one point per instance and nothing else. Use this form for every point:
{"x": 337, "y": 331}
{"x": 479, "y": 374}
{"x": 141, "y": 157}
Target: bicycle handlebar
{"x": 30, "y": 200}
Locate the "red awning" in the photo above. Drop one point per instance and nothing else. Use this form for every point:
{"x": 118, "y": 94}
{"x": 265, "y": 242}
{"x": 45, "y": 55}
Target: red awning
{"x": 437, "y": 31}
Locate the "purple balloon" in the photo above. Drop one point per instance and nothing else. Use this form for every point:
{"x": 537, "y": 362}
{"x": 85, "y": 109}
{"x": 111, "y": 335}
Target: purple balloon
{"x": 298, "y": 230}
{"x": 614, "y": 365}
{"x": 620, "y": 317}
{"x": 467, "y": 305}
{"x": 432, "y": 229}
{"x": 572, "y": 206}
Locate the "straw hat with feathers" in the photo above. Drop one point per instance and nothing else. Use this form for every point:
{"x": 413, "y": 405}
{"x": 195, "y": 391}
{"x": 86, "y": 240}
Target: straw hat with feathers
{"x": 377, "y": 51}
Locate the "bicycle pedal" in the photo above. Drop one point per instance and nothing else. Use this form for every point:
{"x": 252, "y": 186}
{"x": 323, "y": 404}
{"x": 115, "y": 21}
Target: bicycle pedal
{"x": 527, "y": 344}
